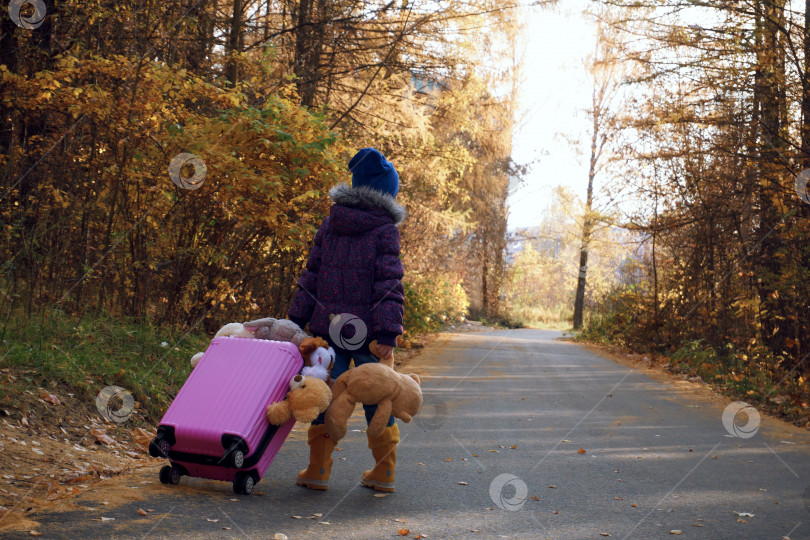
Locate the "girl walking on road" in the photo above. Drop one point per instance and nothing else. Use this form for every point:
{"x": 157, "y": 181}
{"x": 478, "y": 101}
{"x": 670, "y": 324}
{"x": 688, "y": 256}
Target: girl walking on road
{"x": 354, "y": 274}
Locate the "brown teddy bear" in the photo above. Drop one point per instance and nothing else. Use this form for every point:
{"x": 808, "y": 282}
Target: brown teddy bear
{"x": 308, "y": 397}
{"x": 395, "y": 394}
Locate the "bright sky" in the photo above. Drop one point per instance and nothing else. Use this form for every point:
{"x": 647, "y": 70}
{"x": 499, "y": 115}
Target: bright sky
{"x": 553, "y": 98}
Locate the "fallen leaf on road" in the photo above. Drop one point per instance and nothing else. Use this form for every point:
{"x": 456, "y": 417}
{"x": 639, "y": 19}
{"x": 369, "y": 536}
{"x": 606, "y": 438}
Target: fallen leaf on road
{"x": 34, "y": 533}
{"x": 50, "y": 398}
{"x": 142, "y": 512}
{"x": 744, "y": 514}
{"x": 604, "y": 534}
{"x": 618, "y": 498}
{"x": 324, "y": 522}
{"x": 474, "y": 455}
{"x": 741, "y": 520}
{"x": 215, "y": 520}
{"x": 279, "y": 536}
{"x": 552, "y": 487}
{"x": 142, "y": 437}
{"x": 297, "y": 517}
{"x": 581, "y": 451}
{"x": 400, "y": 520}
{"x": 381, "y": 495}
{"x": 634, "y": 505}
{"x": 463, "y": 484}
{"x": 404, "y": 532}
{"x": 534, "y": 498}
{"x": 449, "y": 459}
{"x": 101, "y": 436}
{"x": 420, "y": 536}
{"x": 319, "y": 514}
{"x": 676, "y": 532}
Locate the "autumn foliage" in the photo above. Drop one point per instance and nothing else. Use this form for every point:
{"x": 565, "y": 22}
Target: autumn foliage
{"x": 272, "y": 99}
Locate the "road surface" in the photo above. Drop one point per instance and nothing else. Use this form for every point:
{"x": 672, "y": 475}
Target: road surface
{"x": 522, "y": 436}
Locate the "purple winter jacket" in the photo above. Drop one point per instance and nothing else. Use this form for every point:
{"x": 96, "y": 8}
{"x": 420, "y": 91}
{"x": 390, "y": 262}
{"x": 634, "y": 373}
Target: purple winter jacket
{"x": 354, "y": 268}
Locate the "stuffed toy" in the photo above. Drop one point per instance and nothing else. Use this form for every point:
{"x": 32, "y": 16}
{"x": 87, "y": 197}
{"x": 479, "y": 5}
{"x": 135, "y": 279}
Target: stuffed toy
{"x": 276, "y": 330}
{"x": 318, "y": 358}
{"x": 308, "y": 397}
{"x": 233, "y": 329}
{"x": 395, "y": 394}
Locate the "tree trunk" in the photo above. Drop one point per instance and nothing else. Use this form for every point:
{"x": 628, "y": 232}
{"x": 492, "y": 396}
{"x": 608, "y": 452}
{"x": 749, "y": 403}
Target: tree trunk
{"x": 234, "y": 36}
{"x": 309, "y": 48}
{"x": 773, "y": 313}
{"x": 587, "y": 224}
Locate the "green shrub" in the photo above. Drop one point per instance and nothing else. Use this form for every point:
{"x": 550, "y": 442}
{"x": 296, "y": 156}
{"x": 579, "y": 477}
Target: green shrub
{"x": 432, "y": 301}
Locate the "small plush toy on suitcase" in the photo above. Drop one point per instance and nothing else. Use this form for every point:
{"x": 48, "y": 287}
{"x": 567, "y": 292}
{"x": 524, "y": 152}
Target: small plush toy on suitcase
{"x": 217, "y": 427}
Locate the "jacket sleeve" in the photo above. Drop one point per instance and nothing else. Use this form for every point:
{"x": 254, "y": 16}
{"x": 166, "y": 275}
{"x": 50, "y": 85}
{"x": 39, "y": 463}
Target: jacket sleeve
{"x": 388, "y": 293}
{"x": 303, "y": 303}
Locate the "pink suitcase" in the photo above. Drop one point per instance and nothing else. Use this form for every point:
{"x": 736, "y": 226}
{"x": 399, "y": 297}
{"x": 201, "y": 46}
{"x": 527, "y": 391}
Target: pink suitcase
{"x": 216, "y": 426}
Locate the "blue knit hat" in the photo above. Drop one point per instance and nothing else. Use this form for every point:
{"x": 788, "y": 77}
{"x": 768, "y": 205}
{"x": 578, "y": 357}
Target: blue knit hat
{"x": 370, "y": 168}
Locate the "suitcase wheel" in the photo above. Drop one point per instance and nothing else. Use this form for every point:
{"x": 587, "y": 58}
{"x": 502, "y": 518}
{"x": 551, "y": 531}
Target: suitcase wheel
{"x": 243, "y": 483}
{"x": 237, "y": 459}
{"x": 170, "y": 474}
{"x": 159, "y": 447}
{"x": 235, "y": 450}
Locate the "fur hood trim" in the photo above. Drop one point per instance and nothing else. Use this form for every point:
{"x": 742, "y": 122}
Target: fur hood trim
{"x": 365, "y": 196}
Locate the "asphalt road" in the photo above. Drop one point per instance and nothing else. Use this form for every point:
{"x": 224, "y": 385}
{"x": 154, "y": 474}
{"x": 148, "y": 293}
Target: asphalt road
{"x": 522, "y": 436}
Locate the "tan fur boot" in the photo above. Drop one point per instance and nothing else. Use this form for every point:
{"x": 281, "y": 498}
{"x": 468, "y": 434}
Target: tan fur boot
{"x": 384, "y": 450}
{"x": 316, "y": 476}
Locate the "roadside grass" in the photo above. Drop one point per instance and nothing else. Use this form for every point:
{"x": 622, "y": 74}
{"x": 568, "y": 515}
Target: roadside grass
{"x": 747, "y": 375}
{"x": 558, "y": 317}
{"x": 88, "y": 353}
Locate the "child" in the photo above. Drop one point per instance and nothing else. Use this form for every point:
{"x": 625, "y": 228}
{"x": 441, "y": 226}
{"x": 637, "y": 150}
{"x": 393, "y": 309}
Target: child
{"x": 354, "y": 272}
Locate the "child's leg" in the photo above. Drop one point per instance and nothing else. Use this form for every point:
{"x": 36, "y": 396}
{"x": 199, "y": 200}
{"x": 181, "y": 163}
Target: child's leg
{"x": 383, "y": 448}
{"x": 359, "y": 360}
{"x": 341, "y": 365}
{"x": 321, "y": 446}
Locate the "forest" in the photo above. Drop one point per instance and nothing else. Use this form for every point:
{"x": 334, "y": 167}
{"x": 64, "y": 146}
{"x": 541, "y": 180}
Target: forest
{"x": 701, "y": 132}
{"x": 271, "y": 99}
{"x": 168, "y": 162}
